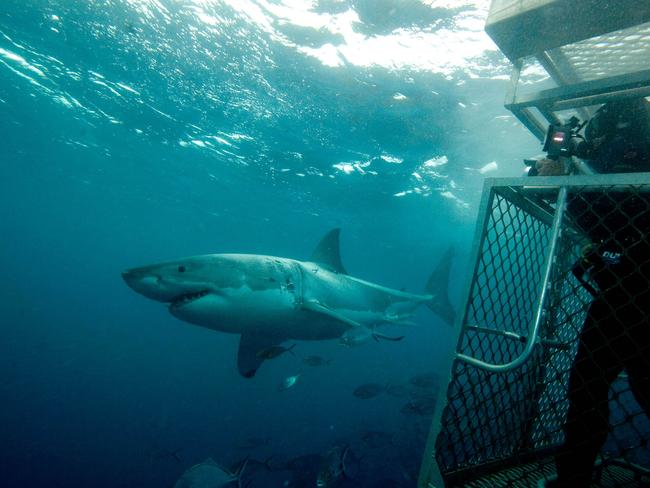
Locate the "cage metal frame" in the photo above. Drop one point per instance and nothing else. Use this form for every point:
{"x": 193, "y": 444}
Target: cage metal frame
{"x": 542, "y": 199}
{"x": 537, "y": 32}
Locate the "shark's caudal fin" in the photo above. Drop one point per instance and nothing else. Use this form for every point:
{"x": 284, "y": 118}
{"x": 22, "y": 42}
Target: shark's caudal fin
{"x": 250, "y": 344}
{"x": 240, "y": 471}
{"x": 328, "y": 252}
{"x": 438, "y": 287}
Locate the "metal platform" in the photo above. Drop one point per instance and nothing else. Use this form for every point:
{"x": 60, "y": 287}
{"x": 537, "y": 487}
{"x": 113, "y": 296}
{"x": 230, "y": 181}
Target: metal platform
{"x": 570, "y": 56}
{"x": 614, "y": 475}
{"x": 524, "y": 28}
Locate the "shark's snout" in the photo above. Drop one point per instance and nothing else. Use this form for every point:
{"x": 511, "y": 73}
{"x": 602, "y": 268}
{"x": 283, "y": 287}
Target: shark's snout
{"x": 137, "y": 277}
{"x": 128, "y": 276}
{"x": 147, "y": 283}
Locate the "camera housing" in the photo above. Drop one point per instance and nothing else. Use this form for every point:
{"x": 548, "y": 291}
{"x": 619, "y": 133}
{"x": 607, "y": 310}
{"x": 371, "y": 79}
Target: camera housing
{"x": 561, "y": 140}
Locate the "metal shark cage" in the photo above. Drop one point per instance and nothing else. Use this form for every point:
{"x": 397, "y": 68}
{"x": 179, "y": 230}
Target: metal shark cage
{"x": 500, "y": 422}
{"x": 506, "y": 402}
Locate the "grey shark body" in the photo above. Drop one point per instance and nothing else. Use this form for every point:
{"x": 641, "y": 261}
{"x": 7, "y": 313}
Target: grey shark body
{"x": 270, "y": 299}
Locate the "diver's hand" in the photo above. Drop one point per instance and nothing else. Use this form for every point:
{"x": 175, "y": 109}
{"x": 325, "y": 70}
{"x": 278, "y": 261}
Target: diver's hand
{"x": 550, "y": 167}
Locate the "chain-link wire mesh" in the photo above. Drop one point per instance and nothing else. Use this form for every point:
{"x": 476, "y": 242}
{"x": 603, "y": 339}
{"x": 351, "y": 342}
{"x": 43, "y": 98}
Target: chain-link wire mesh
{"x": 598, "y": 297}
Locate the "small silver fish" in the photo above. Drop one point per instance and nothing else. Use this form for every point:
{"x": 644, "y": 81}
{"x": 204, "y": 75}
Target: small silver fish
{"x": 397, "y": 391}
{"x": 368, "y": 390}
{"x": 425, "y": 380}
{"x": 251, "y": 443}
{"x": 422, "y": 407}
{"x": 361, "y": 334}
{"x": 376, "y": 439}
{"x": 289, "y": 382}
{"x": 332, "y": 468}
{"x": 274, "y": 351}
{"x": 316, "y": 361}
{"x": 209, "y": 473}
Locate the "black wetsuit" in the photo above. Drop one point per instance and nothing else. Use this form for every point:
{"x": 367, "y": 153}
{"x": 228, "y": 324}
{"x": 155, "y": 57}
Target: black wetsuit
{"x": 616, "y": 332}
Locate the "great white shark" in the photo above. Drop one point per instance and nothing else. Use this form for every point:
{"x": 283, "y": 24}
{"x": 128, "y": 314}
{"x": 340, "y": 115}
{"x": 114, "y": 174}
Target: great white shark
{"x": 269, "y": 299}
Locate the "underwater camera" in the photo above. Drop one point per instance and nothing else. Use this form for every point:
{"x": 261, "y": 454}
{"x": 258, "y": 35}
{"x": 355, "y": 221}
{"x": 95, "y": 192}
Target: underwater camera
{"x": 562, "y": 140}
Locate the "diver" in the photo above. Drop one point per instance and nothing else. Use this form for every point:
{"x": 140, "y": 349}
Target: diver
{"x": 615, "y": 269}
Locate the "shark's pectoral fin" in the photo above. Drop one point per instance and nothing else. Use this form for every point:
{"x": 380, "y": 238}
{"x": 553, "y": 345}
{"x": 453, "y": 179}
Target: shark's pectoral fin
{"x": 316, "y": 306}
{"x": 250, "y": 344}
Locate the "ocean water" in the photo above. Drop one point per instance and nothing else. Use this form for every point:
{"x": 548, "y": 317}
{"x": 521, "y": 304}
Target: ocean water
{"x": 137, "y": 131}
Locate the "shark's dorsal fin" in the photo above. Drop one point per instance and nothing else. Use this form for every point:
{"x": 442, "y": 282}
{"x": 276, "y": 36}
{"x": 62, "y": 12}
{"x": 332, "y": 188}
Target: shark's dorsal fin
{"x": 328, "y": 252}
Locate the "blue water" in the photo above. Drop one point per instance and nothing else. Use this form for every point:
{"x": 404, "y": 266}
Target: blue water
{"x": 139, "y": 131}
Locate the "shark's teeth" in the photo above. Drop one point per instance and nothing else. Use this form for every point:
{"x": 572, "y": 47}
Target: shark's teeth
{"x": 187, "y": 298}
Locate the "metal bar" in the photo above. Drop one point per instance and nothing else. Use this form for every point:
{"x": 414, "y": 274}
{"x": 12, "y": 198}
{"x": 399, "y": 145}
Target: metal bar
{"x": 519, "y": 338}
{"x": 529, "y": 200}
{"x": 570, "y": 95}
{"x": 637, "y": 92}
{"x": 536, "y": 183}
{"x": 511, "y": 94}
{"x": 430, "y": 475}
{"x": 556, "y": 64}
{"x": 542, "y": 363}
{"x": 531, "y": 123}
{"x": 623, "y": 463}
{"x": 531, "y": 206}
{"x": 540, "y": 312}
{"x": 477, "y": 471}
{"x": 549, "y": 115}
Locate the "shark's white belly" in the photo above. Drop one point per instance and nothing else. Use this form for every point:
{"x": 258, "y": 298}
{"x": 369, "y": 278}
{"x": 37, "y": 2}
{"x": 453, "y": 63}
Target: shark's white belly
{"x": 241, "y": 310}
{"x": 271, "y": 312}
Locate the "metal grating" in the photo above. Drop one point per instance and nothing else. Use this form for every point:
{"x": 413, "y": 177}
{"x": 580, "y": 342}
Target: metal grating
{"x": 615, "y": 474}
{"x": 504, "y": 419}
{"x": 528, "y": 27}
{"x": 616, "y": 53}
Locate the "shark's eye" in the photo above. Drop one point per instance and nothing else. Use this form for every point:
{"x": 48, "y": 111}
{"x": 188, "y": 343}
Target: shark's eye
{"x": 181, "y": 269}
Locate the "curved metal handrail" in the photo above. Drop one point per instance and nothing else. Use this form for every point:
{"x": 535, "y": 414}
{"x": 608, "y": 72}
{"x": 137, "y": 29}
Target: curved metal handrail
{"x": 533, "y": 331}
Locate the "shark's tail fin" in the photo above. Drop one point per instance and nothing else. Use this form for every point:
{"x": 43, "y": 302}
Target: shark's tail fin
{"x": 240, "y": 471}
{"x": 438, "y": 288}
{"x": 176, "y": 456}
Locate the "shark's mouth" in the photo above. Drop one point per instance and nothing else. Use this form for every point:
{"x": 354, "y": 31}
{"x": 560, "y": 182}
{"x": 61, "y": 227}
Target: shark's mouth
{"x": 186, "y": 298}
